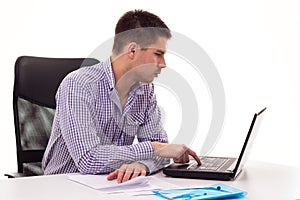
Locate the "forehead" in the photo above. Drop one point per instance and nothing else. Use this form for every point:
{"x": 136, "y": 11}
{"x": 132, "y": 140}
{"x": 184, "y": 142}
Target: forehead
{"x": 160, "y": 44}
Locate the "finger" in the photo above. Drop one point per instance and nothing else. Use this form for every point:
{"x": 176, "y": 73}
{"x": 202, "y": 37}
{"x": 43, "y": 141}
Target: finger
{"x": 183, "y": 159}
{"x": 120, "y": 176}
{"x": 113, "y": 175}
{"x": 182, "y": 150}
{"x": 135, "y": 173}
{"x": 127, "y": 175}
{"x": 178, "y": 160}
{"x": 186, "y": 158}
{"x": 143, "y": 173}
{"x": 192, "y": 153}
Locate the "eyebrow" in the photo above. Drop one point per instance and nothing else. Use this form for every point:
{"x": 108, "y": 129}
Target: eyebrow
{"x": 161, "y": 51}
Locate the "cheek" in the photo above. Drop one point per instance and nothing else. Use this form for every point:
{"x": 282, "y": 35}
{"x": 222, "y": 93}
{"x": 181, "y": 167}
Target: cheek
{"x": 148, "y": 58}
{"x": 147, "y": 68}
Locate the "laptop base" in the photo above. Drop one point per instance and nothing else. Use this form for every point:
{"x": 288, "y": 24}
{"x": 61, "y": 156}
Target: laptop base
{"x": 183, "y": 171}
{"x": 224, "y": 176}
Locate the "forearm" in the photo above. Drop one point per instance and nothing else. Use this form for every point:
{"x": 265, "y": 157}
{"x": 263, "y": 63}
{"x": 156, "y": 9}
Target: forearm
{"x": 107, "y": 158}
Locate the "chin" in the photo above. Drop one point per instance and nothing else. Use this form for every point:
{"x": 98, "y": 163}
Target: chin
{"x": 148, "y": 81}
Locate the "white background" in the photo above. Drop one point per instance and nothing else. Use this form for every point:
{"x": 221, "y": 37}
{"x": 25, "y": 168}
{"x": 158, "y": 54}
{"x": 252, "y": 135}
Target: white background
{"x": 255, "y": 46}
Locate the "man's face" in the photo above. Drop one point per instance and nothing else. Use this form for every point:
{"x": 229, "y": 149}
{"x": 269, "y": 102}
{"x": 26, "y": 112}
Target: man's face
{"x": 150, "y": 61}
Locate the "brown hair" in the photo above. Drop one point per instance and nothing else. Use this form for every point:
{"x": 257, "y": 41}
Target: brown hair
{"x": 141, "y": 27}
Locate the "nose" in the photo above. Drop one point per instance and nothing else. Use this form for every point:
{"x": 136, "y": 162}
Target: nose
{"x": 162, "y": 63}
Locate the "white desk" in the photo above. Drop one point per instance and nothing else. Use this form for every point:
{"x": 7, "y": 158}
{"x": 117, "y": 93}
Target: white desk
{"x": 260, "y": 180}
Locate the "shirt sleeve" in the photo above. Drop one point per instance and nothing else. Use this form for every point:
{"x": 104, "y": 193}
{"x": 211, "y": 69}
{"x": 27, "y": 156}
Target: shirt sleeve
{"x": 76, "y": 110}
{"x": 152, "y": 130}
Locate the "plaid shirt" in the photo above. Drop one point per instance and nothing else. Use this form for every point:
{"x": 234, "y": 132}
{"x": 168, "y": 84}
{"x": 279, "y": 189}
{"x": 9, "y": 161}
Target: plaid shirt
{"x": 91, "y": 133}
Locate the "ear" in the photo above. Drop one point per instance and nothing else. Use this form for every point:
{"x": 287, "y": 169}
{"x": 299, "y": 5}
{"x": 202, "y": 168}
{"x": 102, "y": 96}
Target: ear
{"x": 131, "y": 49}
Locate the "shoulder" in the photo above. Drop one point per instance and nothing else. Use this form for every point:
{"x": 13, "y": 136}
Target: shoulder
{"x": 87, "y": 75}
{"x": 85, "y": 80}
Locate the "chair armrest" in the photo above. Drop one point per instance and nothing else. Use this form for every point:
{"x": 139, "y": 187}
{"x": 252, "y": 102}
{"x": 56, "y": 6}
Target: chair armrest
{"x": 15, "y": 175}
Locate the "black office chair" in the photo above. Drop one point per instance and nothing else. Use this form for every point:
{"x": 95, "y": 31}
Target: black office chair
{"x": 35, "y": 85}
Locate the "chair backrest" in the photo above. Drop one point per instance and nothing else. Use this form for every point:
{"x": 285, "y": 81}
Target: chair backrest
{"x": 35, "y": 86}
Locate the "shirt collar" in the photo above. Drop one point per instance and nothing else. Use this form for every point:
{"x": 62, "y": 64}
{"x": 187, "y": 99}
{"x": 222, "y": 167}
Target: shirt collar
{"x": 109, "y": 73}
{"x": 137, "y": 88}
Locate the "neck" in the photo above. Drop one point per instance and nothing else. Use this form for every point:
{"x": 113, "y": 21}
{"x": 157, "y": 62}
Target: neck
{"x": 124, "y": 77}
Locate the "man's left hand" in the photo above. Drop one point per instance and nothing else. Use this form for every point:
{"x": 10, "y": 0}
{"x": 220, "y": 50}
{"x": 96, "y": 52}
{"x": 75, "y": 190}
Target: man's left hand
{"x": 127, "y": 172}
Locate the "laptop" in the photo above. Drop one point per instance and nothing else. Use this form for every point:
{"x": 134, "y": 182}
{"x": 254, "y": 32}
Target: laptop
{"x": 217, "y": 168}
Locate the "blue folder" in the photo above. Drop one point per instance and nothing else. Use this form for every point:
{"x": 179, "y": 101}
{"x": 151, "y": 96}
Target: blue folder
{"x": 217, "y": 191}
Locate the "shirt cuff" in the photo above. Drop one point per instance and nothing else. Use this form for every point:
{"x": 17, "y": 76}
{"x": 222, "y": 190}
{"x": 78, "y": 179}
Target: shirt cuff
{"x": 155, "y": 164}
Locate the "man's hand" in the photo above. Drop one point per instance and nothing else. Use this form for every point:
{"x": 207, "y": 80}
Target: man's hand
{"x": 179, "y": 152}
{"x": 127, "y": 172}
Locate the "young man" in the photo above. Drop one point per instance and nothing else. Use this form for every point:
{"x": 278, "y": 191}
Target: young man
{"x": 101, "y": 109}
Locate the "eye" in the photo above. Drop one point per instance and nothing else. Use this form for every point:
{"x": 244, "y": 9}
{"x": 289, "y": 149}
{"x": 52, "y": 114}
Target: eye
{"x": 158, "y": 54}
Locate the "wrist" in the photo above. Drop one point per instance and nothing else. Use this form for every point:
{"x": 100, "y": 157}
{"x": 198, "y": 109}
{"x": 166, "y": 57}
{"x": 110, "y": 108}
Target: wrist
{"x": 145, "y": 167}
{"x": 157, "y": 146}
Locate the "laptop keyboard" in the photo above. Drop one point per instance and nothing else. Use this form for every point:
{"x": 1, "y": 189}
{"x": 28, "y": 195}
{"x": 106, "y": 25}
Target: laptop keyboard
{"x": 209, "y": 163}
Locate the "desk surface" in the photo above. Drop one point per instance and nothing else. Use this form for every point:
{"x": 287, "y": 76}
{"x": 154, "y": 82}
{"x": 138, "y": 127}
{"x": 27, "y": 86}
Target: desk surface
{"x": 260, "y": 180}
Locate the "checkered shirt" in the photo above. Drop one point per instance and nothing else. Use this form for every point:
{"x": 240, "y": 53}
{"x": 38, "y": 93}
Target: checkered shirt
{"x": 91, "y": 134}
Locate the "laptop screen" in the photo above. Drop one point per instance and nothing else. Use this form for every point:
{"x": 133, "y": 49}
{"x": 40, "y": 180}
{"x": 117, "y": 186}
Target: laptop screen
{"x": 255, "y": 124}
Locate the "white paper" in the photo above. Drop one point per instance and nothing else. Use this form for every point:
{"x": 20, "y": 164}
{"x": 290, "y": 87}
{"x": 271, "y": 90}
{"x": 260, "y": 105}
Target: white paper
{"x": 99, "y": 182}
{"x": 138, "y": 186}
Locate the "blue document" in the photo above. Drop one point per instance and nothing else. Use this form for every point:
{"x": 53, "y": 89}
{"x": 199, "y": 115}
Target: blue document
{"x": 217, "y": 191}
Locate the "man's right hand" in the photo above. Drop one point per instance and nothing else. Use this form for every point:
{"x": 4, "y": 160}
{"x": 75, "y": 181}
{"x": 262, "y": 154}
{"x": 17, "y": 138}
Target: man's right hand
{"x": 179, "y": 152}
